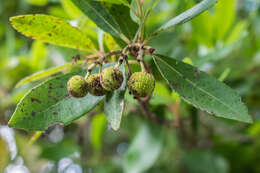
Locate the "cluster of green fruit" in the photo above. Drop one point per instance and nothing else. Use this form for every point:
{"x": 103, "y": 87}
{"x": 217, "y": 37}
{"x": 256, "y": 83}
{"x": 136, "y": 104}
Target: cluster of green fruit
{"x": 140, "y": 84}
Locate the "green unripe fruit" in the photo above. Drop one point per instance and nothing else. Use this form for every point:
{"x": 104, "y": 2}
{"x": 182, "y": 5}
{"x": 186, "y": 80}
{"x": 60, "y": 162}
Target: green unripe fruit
{"x": 77, "y": 86}
{"x": 111, "y": 78}
{"x": 94, "y": 84}
{"x": 141, "y": 84}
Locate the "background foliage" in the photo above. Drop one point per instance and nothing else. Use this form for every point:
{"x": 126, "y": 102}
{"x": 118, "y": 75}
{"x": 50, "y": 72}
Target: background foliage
{"x": 224, "y": 42}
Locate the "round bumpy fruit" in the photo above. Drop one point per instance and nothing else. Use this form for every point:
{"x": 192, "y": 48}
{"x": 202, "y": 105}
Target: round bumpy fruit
{"x": 141, "y": 84}
{"x": 111, "y": 78}
{"x": 94, "y": 84}
{"x": 77, "y": 86}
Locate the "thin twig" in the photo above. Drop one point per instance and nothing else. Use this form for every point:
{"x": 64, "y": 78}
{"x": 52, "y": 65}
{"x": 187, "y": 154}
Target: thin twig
{"x": 128, "y": 66}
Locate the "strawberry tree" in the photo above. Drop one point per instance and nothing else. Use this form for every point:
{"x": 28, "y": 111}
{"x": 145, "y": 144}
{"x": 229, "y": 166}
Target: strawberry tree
{"x": 66, "y": 97}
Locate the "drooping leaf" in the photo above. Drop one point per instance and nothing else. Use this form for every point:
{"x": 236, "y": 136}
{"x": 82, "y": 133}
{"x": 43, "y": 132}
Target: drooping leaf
{"x": 187, "y": 15}
{"x": 52, "y": 30}
{"x": 201, "y": 90}
{"x": 144, "y": 150}
{"x": 98, "y": 14}
{"x": 114, "y": 104}
{"x": 49, "y": 103}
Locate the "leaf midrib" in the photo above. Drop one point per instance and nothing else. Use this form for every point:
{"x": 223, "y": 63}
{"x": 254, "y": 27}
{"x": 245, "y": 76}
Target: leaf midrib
{"x": 223, "y": 103}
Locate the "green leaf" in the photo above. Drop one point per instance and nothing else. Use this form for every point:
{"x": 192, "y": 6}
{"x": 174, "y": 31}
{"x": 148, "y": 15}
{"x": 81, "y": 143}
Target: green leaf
{"x": 161, "y": 95}
{"x": 186, "y": 16}
{"x": 237, "y": 32}
{"x": 122, "y": 15}
{"x": 42, "y": 74}
{"x": 49, "y": 103}
{"x": 203, "y": 29}
{"x": 224, "y": 10}
{"x": 132, "y": 14}
{"x": 57, "y": 151}
{"x": 144, "y": 150}
{"x": 124, "y": 2}
{"x": 98, "y": 14}
{"x": 218, "y": 53}
{"x": 51, "y": 30}
{"x": 69, "y": 7}
{"x": 201, "y": 90}
{"x": 197, "y": 161}
{"x": 37, "y": 2}
{"x": 114, "y": 104}
{"x": 98, "y": 128}
{"x": 38, "y": 55}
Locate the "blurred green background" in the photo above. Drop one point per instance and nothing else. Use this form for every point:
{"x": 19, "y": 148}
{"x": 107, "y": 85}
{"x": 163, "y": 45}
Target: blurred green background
{"x": 224, "y": 41}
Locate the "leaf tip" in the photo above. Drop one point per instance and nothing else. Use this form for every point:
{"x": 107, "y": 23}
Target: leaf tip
{"x": 13, "y": 122}
{"x": 14, "y": 20}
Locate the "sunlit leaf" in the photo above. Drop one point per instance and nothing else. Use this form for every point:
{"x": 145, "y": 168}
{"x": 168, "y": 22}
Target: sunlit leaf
{"x": 224, "y": 10}
{"x": 110, "y": 42}
{"x": 201, "y": 90}
{"x": 51, "y": 30}
{"x": 70, "y": 9}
